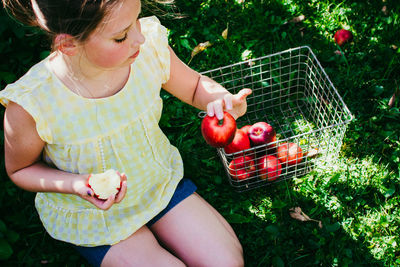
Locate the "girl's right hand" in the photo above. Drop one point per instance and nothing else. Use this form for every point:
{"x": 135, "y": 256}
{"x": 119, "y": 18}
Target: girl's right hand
{"x": 85, "y": 192}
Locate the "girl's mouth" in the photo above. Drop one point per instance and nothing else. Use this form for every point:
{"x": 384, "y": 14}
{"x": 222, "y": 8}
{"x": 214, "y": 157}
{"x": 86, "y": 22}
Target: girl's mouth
{"x": 135, "y": 55}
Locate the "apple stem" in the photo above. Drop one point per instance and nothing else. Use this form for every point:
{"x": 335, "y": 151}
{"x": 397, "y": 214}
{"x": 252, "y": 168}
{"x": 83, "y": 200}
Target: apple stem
{"x": 220, "y": 122}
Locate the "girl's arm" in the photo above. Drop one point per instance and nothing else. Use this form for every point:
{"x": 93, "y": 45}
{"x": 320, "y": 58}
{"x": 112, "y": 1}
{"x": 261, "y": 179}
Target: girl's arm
{"x": 23, "y": 150}
{"x": 202, "y": 92}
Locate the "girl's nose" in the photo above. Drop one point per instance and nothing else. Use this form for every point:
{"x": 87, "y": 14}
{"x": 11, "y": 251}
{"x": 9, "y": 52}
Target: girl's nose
{"x": 137, "y": 36}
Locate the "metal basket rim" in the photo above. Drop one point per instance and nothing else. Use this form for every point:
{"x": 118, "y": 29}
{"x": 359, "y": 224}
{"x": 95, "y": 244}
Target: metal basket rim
{"x": 346, "y": 109}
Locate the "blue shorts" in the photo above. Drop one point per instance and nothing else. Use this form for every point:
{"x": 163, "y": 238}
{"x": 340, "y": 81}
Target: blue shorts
{"x": 95, "y": 255}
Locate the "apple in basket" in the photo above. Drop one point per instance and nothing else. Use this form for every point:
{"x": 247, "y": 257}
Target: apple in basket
{"x": 269, "y": 167}
{"x": 343, "y": 36}
{"x": 261, "y": 133}
{"x": 241, "y": 168}
{"x": 240, "y": 142}
{"x": 290, "y": 153}
{"x": 218, "y": 133}
{"x": 246, "y": 129}
{"x": 104, "y": 184}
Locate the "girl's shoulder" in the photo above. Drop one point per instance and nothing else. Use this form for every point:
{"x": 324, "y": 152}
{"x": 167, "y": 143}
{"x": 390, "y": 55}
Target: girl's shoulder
{"x": 153, "y": 30}
{"x": 149, "y": 23}
{"x": 155, "y": 52}
{"x": 37, "y": 78}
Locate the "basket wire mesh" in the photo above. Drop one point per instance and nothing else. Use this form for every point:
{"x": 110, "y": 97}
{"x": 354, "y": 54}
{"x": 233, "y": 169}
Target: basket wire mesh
{"x": 292, "y": 93}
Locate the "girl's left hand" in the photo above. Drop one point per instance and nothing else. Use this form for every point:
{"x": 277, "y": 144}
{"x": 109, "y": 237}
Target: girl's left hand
{"x": 236, "y": 105}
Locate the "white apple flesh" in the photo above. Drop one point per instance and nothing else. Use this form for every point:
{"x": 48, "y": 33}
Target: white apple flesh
{"x": 105, "y": 184}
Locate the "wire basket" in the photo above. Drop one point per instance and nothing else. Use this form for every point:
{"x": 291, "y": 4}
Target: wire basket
{"x": 292, "y": 93}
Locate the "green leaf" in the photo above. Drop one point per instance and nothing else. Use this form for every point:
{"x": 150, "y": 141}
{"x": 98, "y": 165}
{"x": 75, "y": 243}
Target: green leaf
{"x": 378, "y": 90}
{"x": 44, "y": 54}
{"x": 3, "y": 227}
{"x": 12, "y": 236}
{"x": 273, "y": 230}
{"x": 237, "y": 218}
{"x": 278, "y": 204}
{"x": 7, "y": 77}
{"x": 332, "y": 227}
{"x": 278, "y": 262}
{"x": 5, "y": 250}
{"x": 389, "y": 191}
{"x": 185, "y": 44}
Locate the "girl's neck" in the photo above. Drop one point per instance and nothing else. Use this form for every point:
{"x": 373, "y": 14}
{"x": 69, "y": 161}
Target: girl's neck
{"x": 87, "y": 81}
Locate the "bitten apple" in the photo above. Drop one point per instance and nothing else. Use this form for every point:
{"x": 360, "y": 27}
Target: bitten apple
{"x": 105, "y": 184}
{"x": 261, "y": 133}
{"x": 240, "y": 142}
{"x": 218, "y": 133}
{"x": 343, "y": 36}
{"x": 269, "y": 167}
{"x": 241, "y": 168}
{"x": 290, "y": 153}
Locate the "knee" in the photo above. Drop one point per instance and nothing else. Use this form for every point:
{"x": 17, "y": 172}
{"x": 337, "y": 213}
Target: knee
{"x": 220, "y": 257}
{"x": 231, "y": 258}
{"x": 237, "y": 259}
{"x": 233, "y": 261}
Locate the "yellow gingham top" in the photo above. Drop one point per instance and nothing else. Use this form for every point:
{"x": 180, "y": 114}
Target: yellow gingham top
{"x": 85, "y": 135}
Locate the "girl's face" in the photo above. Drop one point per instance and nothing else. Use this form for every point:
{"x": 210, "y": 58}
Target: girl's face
{"x": 116, "y": 41}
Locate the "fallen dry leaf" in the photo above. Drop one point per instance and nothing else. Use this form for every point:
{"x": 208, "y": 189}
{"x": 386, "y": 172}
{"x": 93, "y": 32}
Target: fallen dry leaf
{"x": 385, "y": 10}
{"x": 225, "y": 33}
{"x": 297, "y": 214}
{"x": 199, "y": 48}
{"x": 297, "y": 19}
{"x": 393, "y": 98}
{"x": 312, "y": 153}
{"x": 337, "y": 52}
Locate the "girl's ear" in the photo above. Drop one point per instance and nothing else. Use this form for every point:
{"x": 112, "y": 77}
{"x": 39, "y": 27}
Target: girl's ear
{"x": 66, "y": 44}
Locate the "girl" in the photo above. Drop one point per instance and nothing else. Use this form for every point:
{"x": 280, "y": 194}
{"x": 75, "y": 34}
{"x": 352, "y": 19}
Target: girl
{"x": 94, "y": 104}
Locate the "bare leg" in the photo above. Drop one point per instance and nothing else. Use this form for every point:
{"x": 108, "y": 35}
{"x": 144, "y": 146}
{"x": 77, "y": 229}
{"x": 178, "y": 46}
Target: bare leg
{"x": 197, "y": 234}
{"x": 140, "y": 249}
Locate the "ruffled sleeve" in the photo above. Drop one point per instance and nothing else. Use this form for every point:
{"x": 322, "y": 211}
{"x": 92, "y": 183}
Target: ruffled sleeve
{"x": 157, "y": 39}
{"x": 22, "y": 93}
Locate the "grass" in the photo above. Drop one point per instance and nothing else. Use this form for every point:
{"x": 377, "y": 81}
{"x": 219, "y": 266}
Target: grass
{"x": 350, "y": 213}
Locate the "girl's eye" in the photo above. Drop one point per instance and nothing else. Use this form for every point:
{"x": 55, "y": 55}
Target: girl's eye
{"x": 121, "y": 39}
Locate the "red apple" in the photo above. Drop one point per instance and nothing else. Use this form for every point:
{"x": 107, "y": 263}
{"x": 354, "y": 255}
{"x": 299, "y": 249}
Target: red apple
{"x": 240, "y": 142}
{"x": 261, "y": 133}
{"x": 241, "y": 168}
{"x": 104, "y": 184}
{"x": 218, "y": 133}
{"x": 246, "y": 129}
{"x": 269, "y": 167}
{"x": 290, "y": 153}
{"x": 343, "y": 36}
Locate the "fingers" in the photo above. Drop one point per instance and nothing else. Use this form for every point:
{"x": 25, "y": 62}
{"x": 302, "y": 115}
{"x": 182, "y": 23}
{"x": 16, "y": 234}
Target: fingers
{"x": 228, "y": 102}
{"x": 122, "y": 191}
{"x": 89, "y": 195}
{"x": 104, "y": 204}
{"x": 241, "y": 96}
{"x": 216, "y": 108}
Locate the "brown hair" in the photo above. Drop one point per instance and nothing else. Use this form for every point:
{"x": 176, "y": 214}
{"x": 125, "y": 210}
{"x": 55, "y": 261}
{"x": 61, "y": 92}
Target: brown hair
{"x": 78, "y": 18}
